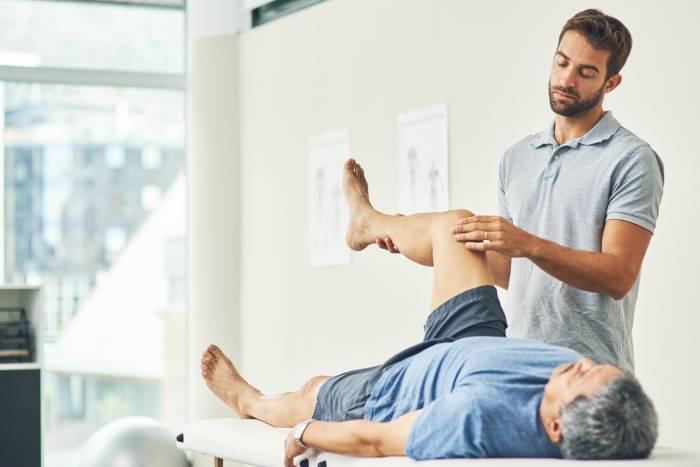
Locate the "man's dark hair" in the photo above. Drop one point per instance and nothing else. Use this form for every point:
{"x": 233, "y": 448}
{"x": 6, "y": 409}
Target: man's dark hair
{"x": 618, "y": 423}
{"x": 603, "y": 32}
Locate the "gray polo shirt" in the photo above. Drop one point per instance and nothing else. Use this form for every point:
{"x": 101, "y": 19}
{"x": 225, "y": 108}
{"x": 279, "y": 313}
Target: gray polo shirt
{"x": 565, "y": 194}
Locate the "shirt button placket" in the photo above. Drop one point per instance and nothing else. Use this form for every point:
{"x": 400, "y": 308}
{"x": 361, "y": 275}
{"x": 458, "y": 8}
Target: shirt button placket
{"x": 551, "y": 169}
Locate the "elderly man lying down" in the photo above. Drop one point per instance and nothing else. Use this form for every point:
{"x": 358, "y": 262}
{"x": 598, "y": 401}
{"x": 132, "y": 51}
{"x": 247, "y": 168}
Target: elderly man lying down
{"x": 466, "y": 390}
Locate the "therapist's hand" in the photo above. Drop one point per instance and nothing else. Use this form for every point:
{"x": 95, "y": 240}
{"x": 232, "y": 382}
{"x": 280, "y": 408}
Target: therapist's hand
{"x": 386, "y": 244}
{"x": 482, "y": 233}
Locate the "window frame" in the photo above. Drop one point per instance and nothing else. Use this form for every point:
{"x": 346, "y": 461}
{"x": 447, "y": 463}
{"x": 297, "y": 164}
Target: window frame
{"x": 87, "y": 77}
{"x": 273, "y": 10}
{"x": 164, "y": 4}
{"x": 92, "y": 77}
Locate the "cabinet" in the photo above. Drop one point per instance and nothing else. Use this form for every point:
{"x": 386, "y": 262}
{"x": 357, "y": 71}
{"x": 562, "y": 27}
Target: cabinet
{"x": 21, "y": 413}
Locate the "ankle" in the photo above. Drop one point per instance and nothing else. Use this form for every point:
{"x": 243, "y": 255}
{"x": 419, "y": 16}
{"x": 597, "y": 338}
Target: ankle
{"x": 371, "y": 218}
{"x": 247, "y": 401}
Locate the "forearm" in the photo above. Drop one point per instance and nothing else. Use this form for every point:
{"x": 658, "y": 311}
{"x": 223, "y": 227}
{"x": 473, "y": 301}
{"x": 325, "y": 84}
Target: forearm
{"x": 499, "y": 265}
{"x": 354, "y": 438}
{"x": 591, "y": 271}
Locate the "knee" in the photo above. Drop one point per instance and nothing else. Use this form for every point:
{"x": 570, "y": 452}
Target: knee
{"x": 457, "y": 214}
{"x": 442, "y": 226}
{"x": 448, "y": 219}
{"x": 309, "y": 393}
{"x": 310, "y": 388}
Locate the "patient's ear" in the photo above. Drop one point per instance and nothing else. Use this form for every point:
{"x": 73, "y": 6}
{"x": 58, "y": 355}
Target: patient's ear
{"x": 554, "y": 429}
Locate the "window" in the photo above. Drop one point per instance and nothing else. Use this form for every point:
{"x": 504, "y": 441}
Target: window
{"x": 92, "y": 36}
{"x": 94, "y": 207}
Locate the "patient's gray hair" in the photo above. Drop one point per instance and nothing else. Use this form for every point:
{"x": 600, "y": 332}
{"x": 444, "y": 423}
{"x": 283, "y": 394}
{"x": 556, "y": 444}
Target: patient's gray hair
{"x": 618, "y": 423}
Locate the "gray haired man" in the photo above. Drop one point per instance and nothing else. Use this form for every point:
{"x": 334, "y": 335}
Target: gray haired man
{"x": 463, "y": 391}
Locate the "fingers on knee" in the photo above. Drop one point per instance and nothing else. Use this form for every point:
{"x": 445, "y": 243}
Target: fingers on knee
{"x": 461, "y": 213}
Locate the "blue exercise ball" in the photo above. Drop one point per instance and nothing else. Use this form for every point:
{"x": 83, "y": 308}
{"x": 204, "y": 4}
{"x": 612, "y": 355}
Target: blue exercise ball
{"x": 132, "y": 442}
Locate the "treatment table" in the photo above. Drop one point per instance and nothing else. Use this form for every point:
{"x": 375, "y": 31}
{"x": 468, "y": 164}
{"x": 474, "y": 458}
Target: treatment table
{"x": 255, "y": 443}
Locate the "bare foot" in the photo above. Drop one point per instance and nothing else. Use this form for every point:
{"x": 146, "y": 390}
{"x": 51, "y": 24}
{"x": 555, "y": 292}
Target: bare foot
{"x": 357, "y": 195}
{"x": 224, "y": 380}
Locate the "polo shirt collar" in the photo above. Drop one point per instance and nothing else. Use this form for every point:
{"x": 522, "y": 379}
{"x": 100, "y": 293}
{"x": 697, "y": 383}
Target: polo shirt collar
{"x": 601, "y": 131}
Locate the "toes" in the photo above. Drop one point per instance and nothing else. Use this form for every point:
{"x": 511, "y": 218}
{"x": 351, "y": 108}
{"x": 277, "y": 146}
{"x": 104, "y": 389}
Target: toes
{"x": 215, "y": 351}
{"x": 212, "y": 351}
{"x": 205, "y": 363}
{"x": 207, "y": 352}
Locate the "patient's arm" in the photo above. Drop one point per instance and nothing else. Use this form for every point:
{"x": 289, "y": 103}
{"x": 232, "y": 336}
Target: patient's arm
{"x": 356, "y": 437}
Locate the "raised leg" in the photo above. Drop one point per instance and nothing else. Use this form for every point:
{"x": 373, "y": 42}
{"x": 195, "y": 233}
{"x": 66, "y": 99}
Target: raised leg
{"x": 409, "y": 233}
{"x": 455, "y": 269}
{"x": 423, "y": 238}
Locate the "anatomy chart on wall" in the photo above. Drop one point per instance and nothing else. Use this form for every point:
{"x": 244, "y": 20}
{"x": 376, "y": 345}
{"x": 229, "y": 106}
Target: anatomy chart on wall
{"x": 329, "y": 212}
{"x": 424, "y": 181}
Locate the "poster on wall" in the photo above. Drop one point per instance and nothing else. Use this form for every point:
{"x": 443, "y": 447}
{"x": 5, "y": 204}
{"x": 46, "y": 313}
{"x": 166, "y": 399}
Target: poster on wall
{"x": 423, "y": 158}
{"x": 328, "y": 210}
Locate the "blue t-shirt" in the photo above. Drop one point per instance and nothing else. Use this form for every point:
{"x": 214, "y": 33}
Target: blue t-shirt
{"x": 480, "y": 398}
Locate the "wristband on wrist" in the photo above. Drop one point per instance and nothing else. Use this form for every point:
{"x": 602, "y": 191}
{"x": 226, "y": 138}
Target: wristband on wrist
{"x": 299, "y": 432}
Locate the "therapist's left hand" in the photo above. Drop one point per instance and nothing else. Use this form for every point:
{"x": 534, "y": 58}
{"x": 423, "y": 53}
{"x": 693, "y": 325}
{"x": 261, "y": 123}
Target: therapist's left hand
{"x": 482, "y": 233}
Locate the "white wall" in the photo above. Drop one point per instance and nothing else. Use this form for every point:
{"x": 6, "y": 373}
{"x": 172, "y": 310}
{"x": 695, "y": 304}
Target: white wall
{"x": 212, "y": 175}
{"x": 357, "y": 64}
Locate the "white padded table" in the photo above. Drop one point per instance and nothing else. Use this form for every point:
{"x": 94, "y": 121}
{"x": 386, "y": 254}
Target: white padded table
{"x": 255, "y": 443}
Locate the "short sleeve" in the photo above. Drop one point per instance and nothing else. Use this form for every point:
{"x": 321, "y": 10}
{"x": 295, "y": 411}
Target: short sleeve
{"x": 637, "y": 188}
{"x": 448, "y": 427}
{"x": 502, "y": 207}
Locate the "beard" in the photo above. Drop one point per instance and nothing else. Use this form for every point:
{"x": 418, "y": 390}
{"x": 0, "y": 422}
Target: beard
{"x": 578, "y": 107}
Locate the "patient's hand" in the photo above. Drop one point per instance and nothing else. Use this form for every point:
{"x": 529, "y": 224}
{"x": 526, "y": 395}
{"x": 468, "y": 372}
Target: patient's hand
{"x": 292, "y": 449}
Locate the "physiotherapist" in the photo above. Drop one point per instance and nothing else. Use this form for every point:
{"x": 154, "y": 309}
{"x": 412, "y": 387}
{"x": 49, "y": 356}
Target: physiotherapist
{"x": 578, "y": 206}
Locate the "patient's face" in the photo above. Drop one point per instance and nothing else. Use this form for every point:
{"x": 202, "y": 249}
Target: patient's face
{"x": 583, "y": 378}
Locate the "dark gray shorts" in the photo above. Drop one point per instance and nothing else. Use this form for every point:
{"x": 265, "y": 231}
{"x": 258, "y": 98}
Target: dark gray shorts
{"x": 476, "y": 312}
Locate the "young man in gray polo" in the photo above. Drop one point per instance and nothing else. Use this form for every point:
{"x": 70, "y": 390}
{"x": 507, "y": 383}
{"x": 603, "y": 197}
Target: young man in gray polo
{"x": 578, "y": 206}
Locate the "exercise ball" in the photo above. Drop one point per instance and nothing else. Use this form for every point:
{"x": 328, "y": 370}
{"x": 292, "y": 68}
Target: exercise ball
{"x": 132, "y": 442}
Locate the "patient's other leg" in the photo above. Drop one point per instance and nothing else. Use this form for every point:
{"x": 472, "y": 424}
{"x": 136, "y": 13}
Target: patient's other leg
{"x": 284, "y": 410}
{"x": 425, "y": 238}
